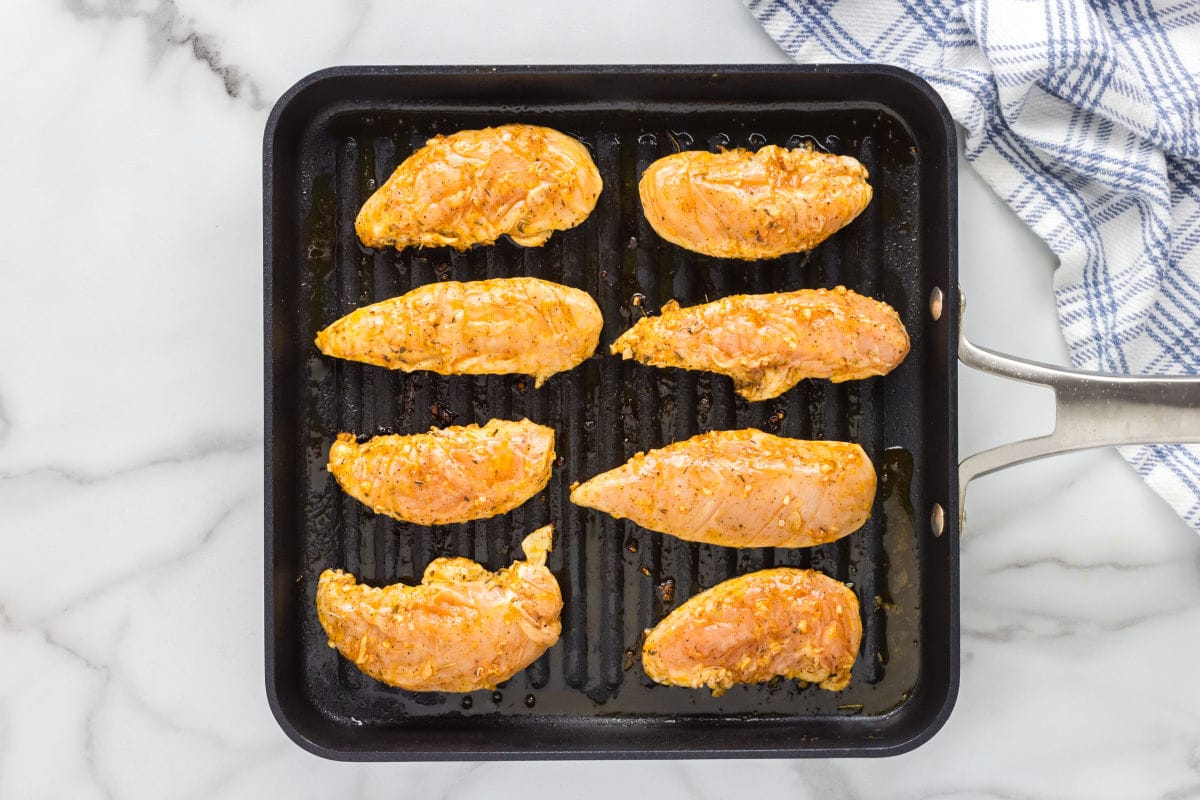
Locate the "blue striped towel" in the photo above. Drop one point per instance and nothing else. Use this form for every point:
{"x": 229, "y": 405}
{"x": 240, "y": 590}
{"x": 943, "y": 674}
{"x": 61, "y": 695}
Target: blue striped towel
{"x": 1085, "y": 118}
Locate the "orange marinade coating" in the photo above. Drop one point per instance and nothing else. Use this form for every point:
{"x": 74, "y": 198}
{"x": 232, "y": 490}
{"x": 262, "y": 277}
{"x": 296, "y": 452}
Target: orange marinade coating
{"x": 454, "y": 474}
{"x": 463, "y": 628}
{"x": 492, "y": 327}
{"x": 472, "y": 187}
{"x": 770, "y": 342}
{"x": 752, "y": 205}
{"x": 743, "y": 488}
{"x": 794, "y": 623}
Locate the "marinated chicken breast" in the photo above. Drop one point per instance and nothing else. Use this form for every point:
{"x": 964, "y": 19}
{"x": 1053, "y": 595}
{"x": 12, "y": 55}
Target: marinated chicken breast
{"x": 740, "y": 489}
{"x": 463, "y": 628}
{"x": 770, "y": 342}
{"x": 473, "y": 187}
{"x": 796, "y": 623}
{"x": 453, "y": 474}
{"x": 739, "y": 204}
{"x": 493, "y": 327}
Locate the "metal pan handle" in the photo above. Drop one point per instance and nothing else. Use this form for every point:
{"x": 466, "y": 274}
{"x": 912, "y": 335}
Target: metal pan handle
{"x": 1092, "y": 409}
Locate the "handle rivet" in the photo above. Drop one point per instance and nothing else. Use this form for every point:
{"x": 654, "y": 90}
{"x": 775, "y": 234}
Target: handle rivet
{"x": 937, "y": 519}
{"x": 935, "y": 303}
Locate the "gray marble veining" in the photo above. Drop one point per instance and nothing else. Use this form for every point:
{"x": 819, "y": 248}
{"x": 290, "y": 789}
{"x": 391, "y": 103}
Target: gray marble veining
{"x": 167, "y": 27}
{"x": 131, "y": 500}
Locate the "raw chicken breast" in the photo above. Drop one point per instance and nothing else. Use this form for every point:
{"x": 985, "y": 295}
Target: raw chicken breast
{"x": 472, "y": 187}
{"x": 770, "y": 342}
{"x": 492, "y": 327}
{"x": 739, "y": 204}
{"x": 454, "y": 474}
{"x": 463, "y": 628}
{"x": 795, "y": 623}
{"x": 741, "y": 488}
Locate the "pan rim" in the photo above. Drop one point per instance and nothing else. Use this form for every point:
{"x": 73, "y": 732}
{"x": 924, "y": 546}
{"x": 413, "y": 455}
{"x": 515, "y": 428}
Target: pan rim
{"x": 292, "y": 720}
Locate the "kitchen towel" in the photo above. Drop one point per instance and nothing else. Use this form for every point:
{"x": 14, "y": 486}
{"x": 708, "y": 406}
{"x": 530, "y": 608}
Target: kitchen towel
{"x": 1085, "y": 118}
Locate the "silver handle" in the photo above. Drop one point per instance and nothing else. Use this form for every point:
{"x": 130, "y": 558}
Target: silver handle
{"x": 1092, "y": 409}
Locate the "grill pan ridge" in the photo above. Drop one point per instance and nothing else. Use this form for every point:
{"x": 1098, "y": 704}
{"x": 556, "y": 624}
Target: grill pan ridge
{"x": 335, "y": 137}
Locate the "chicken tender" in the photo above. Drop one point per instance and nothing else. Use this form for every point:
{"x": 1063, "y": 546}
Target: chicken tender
{"x": 463, "y": 628}
{"x": 741, "y": 488}
{"x": 770, "y": 342}
{"x": 796, "y": 623}
{"x": 473, "y": 187}
{"x": 454, "y": 474}
{"x": 492, "y": 327}
{"x": 739, "y": 204}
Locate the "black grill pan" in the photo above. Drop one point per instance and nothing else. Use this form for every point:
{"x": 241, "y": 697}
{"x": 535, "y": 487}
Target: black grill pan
{"x": 336, "y": 136}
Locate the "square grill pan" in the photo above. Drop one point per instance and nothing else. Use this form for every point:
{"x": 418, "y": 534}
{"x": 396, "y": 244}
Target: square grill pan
{"x": 336, "y": 136}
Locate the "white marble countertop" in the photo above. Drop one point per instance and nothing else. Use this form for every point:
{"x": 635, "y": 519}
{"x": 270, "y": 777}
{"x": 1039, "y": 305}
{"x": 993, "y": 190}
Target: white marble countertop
{"x": 131, "y": 647}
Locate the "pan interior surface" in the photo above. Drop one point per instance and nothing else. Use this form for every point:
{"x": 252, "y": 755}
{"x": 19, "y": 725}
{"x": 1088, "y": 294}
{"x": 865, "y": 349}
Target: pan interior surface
{"x": 332, "y": 143}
